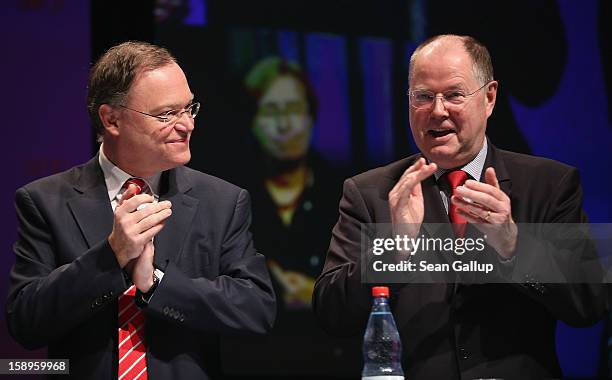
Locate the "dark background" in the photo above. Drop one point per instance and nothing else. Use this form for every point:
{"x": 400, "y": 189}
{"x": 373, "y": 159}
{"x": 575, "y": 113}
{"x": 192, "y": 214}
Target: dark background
{"x": 552, "y": 59}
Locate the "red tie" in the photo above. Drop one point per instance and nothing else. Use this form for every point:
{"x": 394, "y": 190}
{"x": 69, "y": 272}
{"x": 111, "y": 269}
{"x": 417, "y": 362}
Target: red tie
{"x": 141, "y": 185}
{"x": 456, "y": 178}
{"x": 132, "y": 348}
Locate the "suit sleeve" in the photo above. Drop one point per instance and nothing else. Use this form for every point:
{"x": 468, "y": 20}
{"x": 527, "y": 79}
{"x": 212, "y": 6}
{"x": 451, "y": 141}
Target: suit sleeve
{"x": 240, "y": 299}
{"x": 47, "y": 299}
{"x": 341, "y": 302}
{"x": 557, "y": 262}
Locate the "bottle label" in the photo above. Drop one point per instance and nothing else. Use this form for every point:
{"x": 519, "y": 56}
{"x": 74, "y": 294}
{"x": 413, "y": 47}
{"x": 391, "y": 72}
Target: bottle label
{"x": 383, "y": 378}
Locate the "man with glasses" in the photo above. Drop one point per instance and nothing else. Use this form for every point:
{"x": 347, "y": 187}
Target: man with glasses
{"x": 450, "y": 329}
{"x": 133, "y": 265}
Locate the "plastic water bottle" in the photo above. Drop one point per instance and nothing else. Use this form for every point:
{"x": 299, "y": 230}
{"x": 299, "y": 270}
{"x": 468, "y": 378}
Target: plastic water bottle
{"x": 382, "y": 347}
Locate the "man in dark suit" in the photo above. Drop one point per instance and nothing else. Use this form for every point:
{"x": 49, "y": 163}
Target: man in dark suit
{"x": 450, "y": 329}
{"x": 132, "y": 265}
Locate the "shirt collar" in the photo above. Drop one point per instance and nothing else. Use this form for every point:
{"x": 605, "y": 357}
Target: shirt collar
{"x": 115, "y": 177}
{"x": 473, "y": 168}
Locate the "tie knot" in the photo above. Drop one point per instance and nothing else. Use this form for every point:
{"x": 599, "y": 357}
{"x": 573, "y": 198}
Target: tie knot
{"x": 456, "y": 178}
{"x": 141, "y": 185}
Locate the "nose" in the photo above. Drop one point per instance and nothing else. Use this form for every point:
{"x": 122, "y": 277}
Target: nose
{"x": 185, "y": 123}
{"x": 284, "y": 123}
{"x": 439, "y": 108}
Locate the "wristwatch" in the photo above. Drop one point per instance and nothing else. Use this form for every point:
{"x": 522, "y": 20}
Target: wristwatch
{"x": 146, "y": 297}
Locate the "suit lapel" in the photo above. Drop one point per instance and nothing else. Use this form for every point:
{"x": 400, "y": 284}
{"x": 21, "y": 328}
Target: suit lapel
{"x": 435, "y": 220}
{"x": 91, "y": 207}
{"x": 501, "y": 172}
{"x": 169, "y": 242}
{"x": 434, "y": 208}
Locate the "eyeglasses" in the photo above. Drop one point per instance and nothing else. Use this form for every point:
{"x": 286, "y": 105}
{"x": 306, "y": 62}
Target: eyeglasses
{"x": 424, "y": 99}
{"x": 173, "y": 115}
{"x": 289, "y": 109}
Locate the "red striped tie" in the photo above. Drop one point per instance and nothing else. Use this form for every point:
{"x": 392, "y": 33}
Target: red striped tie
{"x": 132, "y": 348}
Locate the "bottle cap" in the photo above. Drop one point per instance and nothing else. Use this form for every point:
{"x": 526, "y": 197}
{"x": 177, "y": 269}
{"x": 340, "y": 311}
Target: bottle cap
{"x": 380, "y": 291}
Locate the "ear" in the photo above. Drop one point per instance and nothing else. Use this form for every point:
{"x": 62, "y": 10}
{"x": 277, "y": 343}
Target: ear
{"x": 491, "y": 97}
{"x": 108, "y": 116}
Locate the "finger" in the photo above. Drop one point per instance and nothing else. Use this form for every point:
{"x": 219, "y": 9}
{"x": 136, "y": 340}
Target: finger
{"x": 133, "y": 202}
{"x": 427, "y": 170}
{"x": 129, "y": 193}
{"x": 485, "y": 188}
{"x": 149, "y": 251}
{"x": 480, "y": 220}
{"x": 151, "y": 232}
{"x": 471, "y": 208}
{"x": 477, "y": 223}
{"x": 408, "y": 183}
{"x": 471, "y": 218}
{"x": 146, "y": 258}
{"x": 412, "y": 168}
{"x": 417, "y": 190}
{"x": 415, "y": 166}
{"x": 491, "y": 177}
{"x": 153, "y": 220}
{"x": 151, "y": 209}
{"x": 477, "y": 198}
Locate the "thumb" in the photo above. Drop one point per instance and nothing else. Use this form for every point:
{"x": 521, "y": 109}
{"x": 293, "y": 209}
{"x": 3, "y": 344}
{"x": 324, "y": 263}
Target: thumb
{"x": 129, "y": 193}
{"x": 150, "y": 248}
{"x": 491, "y": 178}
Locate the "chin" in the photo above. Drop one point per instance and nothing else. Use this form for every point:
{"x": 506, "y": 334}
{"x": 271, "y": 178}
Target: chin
{"x": 283, "y": 154}
{"x": 184, "y": 159}
{"x": 178, "y": 160}
{"x": 444, "y": 158}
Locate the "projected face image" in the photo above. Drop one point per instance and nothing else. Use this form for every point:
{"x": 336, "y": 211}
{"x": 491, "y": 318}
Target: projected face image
{"x": 283, "y": 122}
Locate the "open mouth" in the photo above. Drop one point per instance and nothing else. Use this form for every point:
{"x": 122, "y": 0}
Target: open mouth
{"x": 440, "y": 132}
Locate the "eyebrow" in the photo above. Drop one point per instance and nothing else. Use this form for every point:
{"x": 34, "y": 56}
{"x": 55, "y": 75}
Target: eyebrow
{"x": 171, "y": 107}
{"x": 454, "y": 87}
{"x": 458, "y": 87}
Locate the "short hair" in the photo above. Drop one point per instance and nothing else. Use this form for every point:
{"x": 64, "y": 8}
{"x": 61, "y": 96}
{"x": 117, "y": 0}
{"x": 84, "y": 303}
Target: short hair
{"x": 261, "y": 76}
{"x": 112, "y": 76}
{"x": 481, "y": 59}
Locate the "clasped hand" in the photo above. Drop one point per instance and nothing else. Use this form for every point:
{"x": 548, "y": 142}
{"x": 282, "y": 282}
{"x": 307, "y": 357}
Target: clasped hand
{"x": 134, "y": 227}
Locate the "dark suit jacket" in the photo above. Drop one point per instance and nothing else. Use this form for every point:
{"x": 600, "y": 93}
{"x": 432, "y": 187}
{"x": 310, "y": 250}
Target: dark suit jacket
{"x": 452, "y": 331}
{"x": 66, "y": 280}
